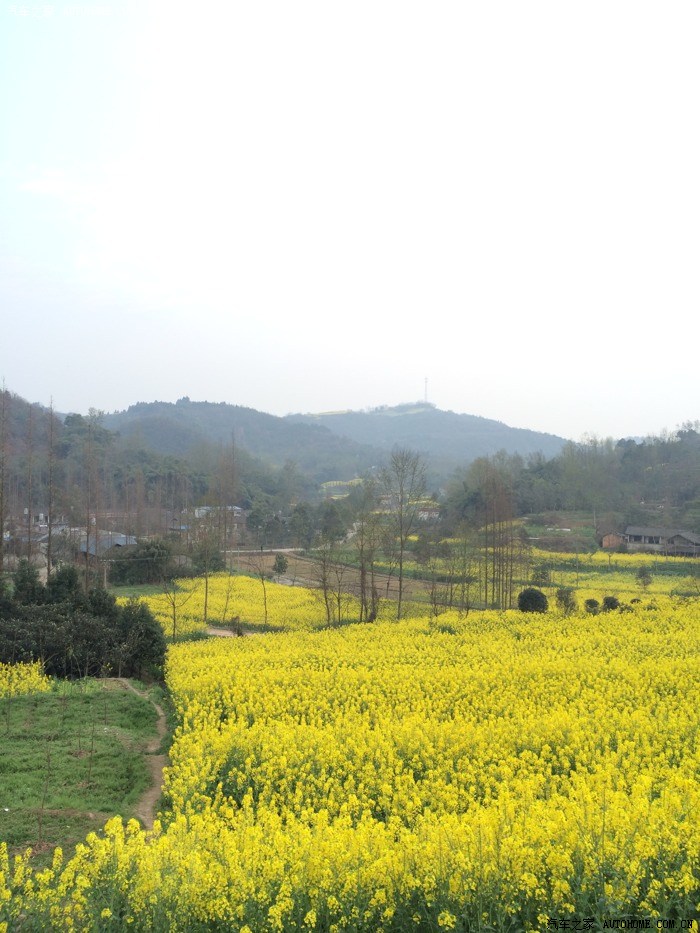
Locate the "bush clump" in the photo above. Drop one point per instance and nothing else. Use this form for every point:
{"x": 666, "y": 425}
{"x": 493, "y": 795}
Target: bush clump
{"x": 76, "y": 634}
{"x": 566, "y": 599}
{"x": 532, "y": 600}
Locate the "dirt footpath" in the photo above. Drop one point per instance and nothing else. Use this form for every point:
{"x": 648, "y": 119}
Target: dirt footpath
{"x": 146, "y": 808}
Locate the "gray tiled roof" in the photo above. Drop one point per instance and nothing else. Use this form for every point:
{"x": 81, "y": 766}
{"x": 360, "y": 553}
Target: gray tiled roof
{"x": 101, "y": 541}
{"x": 665, "y": 533}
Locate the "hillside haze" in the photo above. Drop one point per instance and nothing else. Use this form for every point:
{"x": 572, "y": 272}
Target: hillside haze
{"x": 447, "y": 438}
{"x": 181, "y": 427}
{"x": 331, "y": 445}
{"x": 148, "y": 463}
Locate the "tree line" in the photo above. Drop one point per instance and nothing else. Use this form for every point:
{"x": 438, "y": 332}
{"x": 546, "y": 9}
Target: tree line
{"x": 465, "y": 540}
{"x": 73, "y": 633}
{"x": 86, "y": 476}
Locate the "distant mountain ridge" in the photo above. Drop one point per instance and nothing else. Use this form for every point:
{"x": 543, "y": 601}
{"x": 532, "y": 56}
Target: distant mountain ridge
{"x": 447, "y": 437}
{"x": 333, "y": 445}
{"x": 178, "y": 428}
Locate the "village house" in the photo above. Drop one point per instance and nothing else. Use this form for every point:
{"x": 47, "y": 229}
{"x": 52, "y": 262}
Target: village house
{"x": 669, "y": 541}
{"x": 100, "y": 546}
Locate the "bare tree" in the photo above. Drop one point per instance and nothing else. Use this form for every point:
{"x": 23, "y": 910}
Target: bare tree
{"x": 366, "y": 538}
{"x": 440, "y": 584}
{"x": 332, "y": 577}
{"x": 463, "y": 568}
{"x": 323, "y": 563}
{"x": 403, "y": 482}
{"x": 88, "y": 453}
{"x": 30, "y": 479}
{"x": 50, "y": 500}
{"x": 177, "y": 598}
{"x": 258, "y": 563}
{"x": 341, "y": 594}
{"x": 503, "y": 552}
{"x": 235, "y": 621}
{"x": 4, "y": 397}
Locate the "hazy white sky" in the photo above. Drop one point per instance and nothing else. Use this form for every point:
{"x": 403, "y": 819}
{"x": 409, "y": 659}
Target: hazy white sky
{"x": 309, "y": 206}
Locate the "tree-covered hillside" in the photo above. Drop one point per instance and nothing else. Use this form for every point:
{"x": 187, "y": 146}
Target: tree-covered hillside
{"x": 84, "y": 474}
{"x": 652, "y": 482}
{"x": 328, "y": 446}
{"x": 144, "y": 471}
{"x": 180, "y": 428}
{"x": 447, "y": 439}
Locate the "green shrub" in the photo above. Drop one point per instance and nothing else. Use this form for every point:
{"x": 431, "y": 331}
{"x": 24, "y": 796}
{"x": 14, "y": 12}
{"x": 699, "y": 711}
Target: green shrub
{"x": 76, "y": 634}
{"x": 532, "y": 600}
{"x": 146, "y": 562}
{"x": 566, "y": 599}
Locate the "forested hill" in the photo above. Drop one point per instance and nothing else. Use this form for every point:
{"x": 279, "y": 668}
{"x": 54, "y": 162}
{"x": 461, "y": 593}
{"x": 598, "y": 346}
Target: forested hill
{"x": 157, "y": 445}
{"x": 199, "y": 452}
{"x": 448, "y": 438}
{"x": 328, "y": 446}
{"x": 179, "y": 428}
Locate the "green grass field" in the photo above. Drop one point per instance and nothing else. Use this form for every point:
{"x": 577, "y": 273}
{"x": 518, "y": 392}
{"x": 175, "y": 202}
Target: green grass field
{"x": 71, "y": 759}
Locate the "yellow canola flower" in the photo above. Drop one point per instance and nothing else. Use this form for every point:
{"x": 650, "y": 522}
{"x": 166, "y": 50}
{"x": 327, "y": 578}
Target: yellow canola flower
{"x": 229, "y": 597}
{"x": 496, "y": 770}
{"x": 20, "y": 679}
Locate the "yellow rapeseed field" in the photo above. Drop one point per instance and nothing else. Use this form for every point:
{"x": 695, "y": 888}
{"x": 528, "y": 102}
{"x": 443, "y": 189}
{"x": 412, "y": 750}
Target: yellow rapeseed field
{"x": 240, "y": 597}
{"x": 495, "y": 772}
{"x": 20, "y": 679}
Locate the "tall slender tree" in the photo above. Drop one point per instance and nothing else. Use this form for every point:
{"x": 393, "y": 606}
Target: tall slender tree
{"x": 403, "y": 481}
{"x": 29, "y": 507}
{"x": 50, "y": 492}
{"x": 4, "y": 400}
{"x": 489, "y": 506}
{"x": 367, "y": 541}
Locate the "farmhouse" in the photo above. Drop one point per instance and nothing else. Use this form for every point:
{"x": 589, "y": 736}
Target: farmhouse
{"x": 100, "y": 543}
{"x": 612, "y": 541}
{"x": 669, "y": 541}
